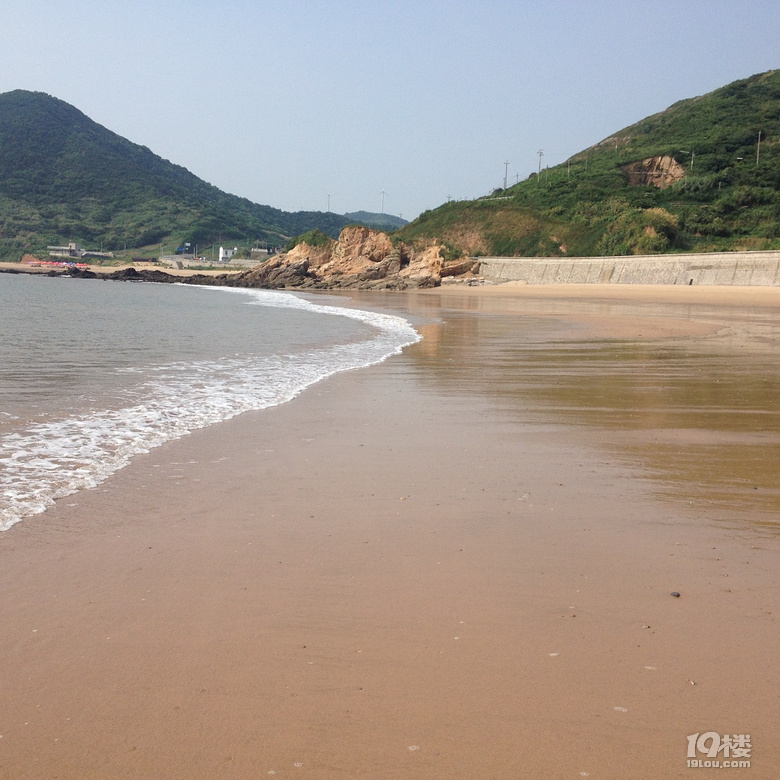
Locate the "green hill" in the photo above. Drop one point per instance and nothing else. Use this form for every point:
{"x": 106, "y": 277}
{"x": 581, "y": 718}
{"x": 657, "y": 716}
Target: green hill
{"x": 692, "y": 178}
{"x": 66, "y": 178}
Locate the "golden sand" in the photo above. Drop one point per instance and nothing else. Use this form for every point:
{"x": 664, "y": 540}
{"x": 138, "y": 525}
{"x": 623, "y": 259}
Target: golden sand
{"x": 455, "y": 564}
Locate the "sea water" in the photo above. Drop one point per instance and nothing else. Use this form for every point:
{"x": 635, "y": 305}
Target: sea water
{"x": 94, "y": 372}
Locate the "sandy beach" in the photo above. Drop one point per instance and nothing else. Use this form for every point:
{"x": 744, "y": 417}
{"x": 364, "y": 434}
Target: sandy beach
{"x": 455, "y": 564}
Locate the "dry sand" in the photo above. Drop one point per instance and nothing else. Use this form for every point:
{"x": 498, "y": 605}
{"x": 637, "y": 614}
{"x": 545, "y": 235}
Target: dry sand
{"x": 456, "y": 564}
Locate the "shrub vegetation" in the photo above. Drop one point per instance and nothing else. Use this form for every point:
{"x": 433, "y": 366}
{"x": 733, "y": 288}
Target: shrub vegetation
{"x": 727, "y": 198}
{"x": 66, "y": 178}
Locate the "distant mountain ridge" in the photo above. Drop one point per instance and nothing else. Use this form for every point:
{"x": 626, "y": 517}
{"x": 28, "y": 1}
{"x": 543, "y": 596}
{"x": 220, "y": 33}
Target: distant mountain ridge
{"x": 63, "y": 177}
{"x": 380, "y": 221}
{"x": 703, "y": 175}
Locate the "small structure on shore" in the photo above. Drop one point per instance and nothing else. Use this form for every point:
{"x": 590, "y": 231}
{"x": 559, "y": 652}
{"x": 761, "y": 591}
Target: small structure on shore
{"x": 226, "y": 254}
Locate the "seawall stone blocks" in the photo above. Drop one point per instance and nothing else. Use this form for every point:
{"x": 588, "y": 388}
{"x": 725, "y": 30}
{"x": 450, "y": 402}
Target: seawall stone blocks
{"x": 718, "y": 268}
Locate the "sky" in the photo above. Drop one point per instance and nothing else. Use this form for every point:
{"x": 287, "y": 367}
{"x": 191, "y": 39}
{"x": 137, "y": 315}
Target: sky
{"x": 397, "y": 105}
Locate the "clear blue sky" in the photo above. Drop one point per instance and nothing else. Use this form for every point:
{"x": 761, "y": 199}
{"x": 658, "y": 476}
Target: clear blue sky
{"x": 288, "y": 102}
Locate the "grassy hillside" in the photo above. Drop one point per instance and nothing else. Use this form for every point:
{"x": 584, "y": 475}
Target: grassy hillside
{"x": 719, "y": 189}
{"x": 65, "y": 178}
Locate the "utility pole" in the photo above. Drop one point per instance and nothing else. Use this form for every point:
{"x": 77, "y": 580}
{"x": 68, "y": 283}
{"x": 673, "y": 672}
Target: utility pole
{"x": 506, "y": 168}
{"x": 328, "y": 204}
{"x": 383, "y": 193}
{"x": 693, "y": 156}
{"x": 539, "y": 173}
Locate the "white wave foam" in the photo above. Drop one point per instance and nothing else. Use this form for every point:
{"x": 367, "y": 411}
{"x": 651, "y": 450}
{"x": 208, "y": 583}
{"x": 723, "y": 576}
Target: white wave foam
{"x": 50, "y": 460}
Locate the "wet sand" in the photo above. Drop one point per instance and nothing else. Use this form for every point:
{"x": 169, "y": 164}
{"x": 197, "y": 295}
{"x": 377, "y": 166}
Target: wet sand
{"x": 455, "y": 564}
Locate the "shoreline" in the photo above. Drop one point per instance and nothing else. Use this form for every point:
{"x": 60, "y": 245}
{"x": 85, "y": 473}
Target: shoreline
{"x": 655, "y": 293}
{"x": 511, "y": 288}
{"x": 437, "y": 566}
{"x": 105, "y": 270}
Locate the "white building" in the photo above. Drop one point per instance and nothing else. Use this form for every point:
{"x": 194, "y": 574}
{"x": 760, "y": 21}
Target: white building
{"x": 226, "y": 254}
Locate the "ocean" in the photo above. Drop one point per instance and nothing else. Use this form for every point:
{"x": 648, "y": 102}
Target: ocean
{"x": 93, "y": 373}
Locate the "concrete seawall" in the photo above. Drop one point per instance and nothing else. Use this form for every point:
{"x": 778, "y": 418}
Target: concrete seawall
{"x": 761, "y": 269}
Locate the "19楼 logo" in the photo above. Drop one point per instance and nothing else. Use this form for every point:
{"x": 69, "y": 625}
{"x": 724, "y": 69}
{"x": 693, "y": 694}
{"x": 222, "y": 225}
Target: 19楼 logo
{"x": 727, "y": 751}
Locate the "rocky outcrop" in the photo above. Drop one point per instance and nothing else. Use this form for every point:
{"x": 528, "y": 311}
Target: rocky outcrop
{"x": 661, "y": 171}
{"x": 362, "y": 258}
{"x": 273, "y": 274}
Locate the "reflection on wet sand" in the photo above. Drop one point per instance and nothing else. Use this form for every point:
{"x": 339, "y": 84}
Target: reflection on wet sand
{"x": 687, "y": 394}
